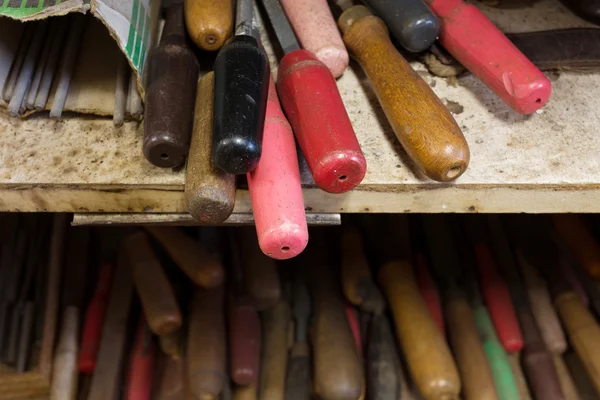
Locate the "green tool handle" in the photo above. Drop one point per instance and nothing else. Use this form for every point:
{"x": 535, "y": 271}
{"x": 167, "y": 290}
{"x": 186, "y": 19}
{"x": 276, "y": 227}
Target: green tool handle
{"x": 506, "y": 386}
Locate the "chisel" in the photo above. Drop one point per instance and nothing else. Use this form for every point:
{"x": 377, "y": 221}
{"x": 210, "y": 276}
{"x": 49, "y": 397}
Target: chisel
{"x": 209, "y": 22}
{"x": 154, "y": 289}
{"x": 530, "y": 235}
{"x": 17, "y": 62}
{"x": 276, "y": 323}
{"x": 316, "y": 31}
{"x": 566, "y": 381}
{"x": 240, "y": 100}
{"x": 41, "y": 65}
{"x": 337, "y": 369}
{"x": 170, "y": 94}
{"x": 261, "y": 279}
{"x": 435, "y": 143}
{"x": 515, "y": 365}
{"x": 314, "y": 107}
{"x": 410, "y": 22}
{"x": 206, "y": 352}
{"x": 427, "y": 354}
{"x": 275, "y": 190}
{"x": 202, "y": 267}
{"x": 209, "y": 191}
{"x": 483, "y": 49}
{"x": 542, "y": 376}
{"x": 452, "y": 269}
{"x": 578, "y": 238}
{"x": 140, "y": 372}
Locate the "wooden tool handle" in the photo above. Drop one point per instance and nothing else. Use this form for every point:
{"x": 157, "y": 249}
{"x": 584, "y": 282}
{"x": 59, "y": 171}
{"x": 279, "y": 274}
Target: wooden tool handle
{"x": 566, "y": 381}
{"x": 429, "y": 291}
{"x": 247, "y": 392}
{"x": 298, "y": 375}
{"x": 206, "y": 348}
{"x": 209, "y": 191}
{"x": 64, "y": 376}
{"x": 171, "y": 344}
{"x": 435, "y": 143}
{"x": 244, "y": 342}
{"x": 154, "y": 289}
{"x": 209, "y": 22}
{"x": 429, "y": 359}
{"x": 584, "y": 332}
{"x": 200, "y": 265}
{"x": 585, "y": 387}
{"x": 475, "y": 372}
{"x": 355, "y": 268}
{"x": 276, "y": 324}
{"x": 515, "y": 366}
{"x": 170, "y": 382}
{"x": 578, "y": 238}
{"x": 140, "y": 373}
{"x": 261, "y": 279}
{"x": 381, "y": 360}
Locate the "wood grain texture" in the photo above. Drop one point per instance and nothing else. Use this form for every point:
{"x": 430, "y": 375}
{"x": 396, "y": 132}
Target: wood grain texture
{"x": 579, "y": 239}
{"x": 276, "y": 324}
{"x": 419, "y": 119}
{"x": 429, "y": 359}
{"x": 209, "y": 22}
{"x": 209, "y": 191}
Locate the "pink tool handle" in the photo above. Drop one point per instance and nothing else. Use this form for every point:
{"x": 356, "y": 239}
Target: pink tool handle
{"x": 244, "y": 342}
{"x": 94, "y": 321}
{"x": 485, "y": 51}
{"x": 314, "y": 107}
{"x": 318, "y": 33}
{"x": 275, "y": 190}
{"x": 498, "y": 301}
{"x": 352, "y": 316}
{"x": 141, "y": 365}
{"x": 429, "y": 291}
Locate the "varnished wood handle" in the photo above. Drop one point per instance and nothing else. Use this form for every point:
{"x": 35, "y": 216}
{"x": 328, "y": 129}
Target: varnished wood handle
{"x": 420, "y": 121}
{"x": 154, "y": 289}
{"x": 577, "y": 236}
{"x": 274, "y": 358}
{"x": 583, "y": 331}
{"x": 209, "y": 191}
{"x": 170, "y": 381}
{"x": 209, "y": 22}
{"x": 429, "y": 359}
{"x": 355, "y": 269}
{"x": 64, "y": 376}
{"x": 475, "y": 372}
{"x": 202, "y": 267}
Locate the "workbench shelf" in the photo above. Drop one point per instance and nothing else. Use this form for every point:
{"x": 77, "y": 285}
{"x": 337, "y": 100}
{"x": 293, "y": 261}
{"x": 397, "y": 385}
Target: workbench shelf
{"x": 546, "y": 162}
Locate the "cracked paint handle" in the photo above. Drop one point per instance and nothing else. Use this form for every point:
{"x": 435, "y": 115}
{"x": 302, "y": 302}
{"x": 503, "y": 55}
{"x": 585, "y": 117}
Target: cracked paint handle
{"x": 485, "y": 51}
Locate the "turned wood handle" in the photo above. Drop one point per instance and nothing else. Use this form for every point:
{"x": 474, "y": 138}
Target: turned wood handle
{"x": 244, "y": 341}
{"x": 566, "y": 381}
{"x": 170, "y": 382}
{"x": 515, "y": 365}
{"x": 206, "y": 348}
{"x": 429, "y": 290}
{"x": 475, "y": 372}
{"x": 209, "y": 22}
{"x": 382, "y": 362}
{"x": 427, "y": 354}
{"x": 419, "y": 119}
{"x": 154, "y": 289}
{"x": 171, "y": 344}
{"x": 577, "y": 236}
{"x": 276, "y": 324}
{"x": 583, "y": 331}
{"x": 209, "y": 191}
{"x": 64, "y": 377}
{"x": 200, "y": 265}
{"x": 582, "y": 380}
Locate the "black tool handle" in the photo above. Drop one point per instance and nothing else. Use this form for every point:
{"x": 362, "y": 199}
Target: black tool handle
{"x": 241, "y": 88}
{"x": 410, "y": 22}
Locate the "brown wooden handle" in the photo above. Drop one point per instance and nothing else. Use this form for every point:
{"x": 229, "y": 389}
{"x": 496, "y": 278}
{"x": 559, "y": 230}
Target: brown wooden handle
{"x": 171, "y": 344}
{"x": 355, "y": 268}
{"x": 154, "y": 289}
{"x": 515, "y": 365}
{"x": 209, "y": 22}
{"x": 64, "y": 376}
{"x": 566, "y": 381}
{"x": 201, "y": 266}
{"x": 209, "y": 191}
{"x": 206, "y": 347}
{"x": 577, "y": 236}
{"x": 261, "y": 278}
{"x": 475, "y": 372}
{"x": 429, "y": 359}
{"x": 170, "y": 381}
{"x": 247, "y": 392}
{"x": 276, "y": 323}
{"x": 585, "y": 387}
{"x": 419, "y": 119}
{"x": 583, "y": 331}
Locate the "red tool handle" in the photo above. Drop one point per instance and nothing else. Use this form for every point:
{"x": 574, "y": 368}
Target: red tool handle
{"x": 94, "y": 320}
{"x": 244, "y": 342}
{"x": 352, "y": 316}
{"x": 485, "y": 51}
{"x": 429, "y": 291}
{"x": 314, "y": 107}
{"x": 275, "y": 190}
{"x": 498, "y": 301}
{"x": 141, "y": 364}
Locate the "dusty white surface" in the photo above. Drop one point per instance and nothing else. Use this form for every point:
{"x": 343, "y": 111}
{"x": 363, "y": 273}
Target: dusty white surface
{"x": 545, "y": 162}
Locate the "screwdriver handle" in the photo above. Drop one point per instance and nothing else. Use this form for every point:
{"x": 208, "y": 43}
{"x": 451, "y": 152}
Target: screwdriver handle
{"x": 275, "y": 189}
{"x": 506, "y": 387}
{"x": 427, "y": 354}
{"x": 583, "y": 330}
{"x": 94, "y": 320}
{"x": 575, "y": 233}
{"x": 276, "y": 324}
{"x": 244, "y": 342}
{"x": 314, "y": 107}
{"x": 429, "y": 291}
{"x": 240, "y": 101}
{"x": 410, "y": 22}
{"x": 498, "y": 301}
{"x": 141, "y": 365}
{"x": 209, "y": 22}
{"x": 435, "y": 143}
{"x": 483, "y": 49}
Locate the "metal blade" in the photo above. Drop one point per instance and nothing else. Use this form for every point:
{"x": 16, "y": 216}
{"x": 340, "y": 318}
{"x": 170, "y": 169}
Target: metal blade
{"x": 283, "y": 30}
